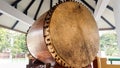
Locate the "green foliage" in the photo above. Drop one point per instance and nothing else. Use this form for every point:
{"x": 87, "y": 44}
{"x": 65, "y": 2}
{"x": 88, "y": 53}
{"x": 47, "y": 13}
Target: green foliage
{"x": 12, "y": 41}
{"x": 108, "y": 43}
{"x": 4, "y": 40}
{"x": 19, "y": 44}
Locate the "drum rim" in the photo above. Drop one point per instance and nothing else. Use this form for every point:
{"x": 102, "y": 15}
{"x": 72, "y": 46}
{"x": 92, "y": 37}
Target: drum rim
{"x": 49, "y": 45}
{"x": 46, "y": 32}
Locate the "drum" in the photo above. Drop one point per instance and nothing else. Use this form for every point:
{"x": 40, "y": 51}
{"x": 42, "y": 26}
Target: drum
{"x": 66, "y": 34}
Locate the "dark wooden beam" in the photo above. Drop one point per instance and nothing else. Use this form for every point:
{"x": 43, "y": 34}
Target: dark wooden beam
{"x": 89, "y": 6}
{"x": 15, "y": 24}
{"x": 51, "y": 4}
{"x": 101, "y": 29}
{"x": 1, "y": 14}
{"x": 96, "y": 1}
{"x": 59, "y": 1}
{"x": 36, "y": 14}
{"x": 12, "y": 29}
{"x": 108, "y": 22}
{"x": 15, "y": 3}
{"x": 109, "y": 7}
{"x": 29, "y": 5}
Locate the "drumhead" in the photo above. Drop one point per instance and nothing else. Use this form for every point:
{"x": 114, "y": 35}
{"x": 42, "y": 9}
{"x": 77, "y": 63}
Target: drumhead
{"x": 71, "y": 34}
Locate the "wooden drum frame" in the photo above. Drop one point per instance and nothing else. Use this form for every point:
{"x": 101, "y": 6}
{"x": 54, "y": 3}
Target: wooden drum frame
{"x": 66, "y": 34}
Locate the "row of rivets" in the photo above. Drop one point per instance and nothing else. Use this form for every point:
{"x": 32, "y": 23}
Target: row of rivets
{"x": 47, "y": 37}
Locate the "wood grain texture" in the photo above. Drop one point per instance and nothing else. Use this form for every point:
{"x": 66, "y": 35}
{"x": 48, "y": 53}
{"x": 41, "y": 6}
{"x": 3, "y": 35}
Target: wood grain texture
{"x": 36, "y": 44}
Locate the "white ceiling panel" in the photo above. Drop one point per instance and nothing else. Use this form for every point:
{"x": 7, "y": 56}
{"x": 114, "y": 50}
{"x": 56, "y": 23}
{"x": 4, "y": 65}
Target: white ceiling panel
{"x": 21, "y": 6}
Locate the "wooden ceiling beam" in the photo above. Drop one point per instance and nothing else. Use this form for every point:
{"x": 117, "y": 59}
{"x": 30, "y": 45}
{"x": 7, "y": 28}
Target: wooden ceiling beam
{"x": 15, "y": 3}
{"x": 99, "y": 9}
{"x": 59, "y": 1}
{"x": 29, "y": 5}
{"x": 7, "y": 9}
{"x": 96, "y": 1}
{"x": 12, "y": 29}
{"x": 109, "y": 7}
{"x": 36, "y": 14}
{"x": 89, "y": 6}
{"x": 109, "y": 23}
{"x": 101, "y": 29}
{"x": 1, "y": 14}
{"x": 51, "y": 4}
{"x": 15, "y": 24}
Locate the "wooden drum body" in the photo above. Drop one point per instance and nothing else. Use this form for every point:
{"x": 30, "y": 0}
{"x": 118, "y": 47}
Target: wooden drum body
{"x": 66, "y": 34}
{"x": 36, "y": 43}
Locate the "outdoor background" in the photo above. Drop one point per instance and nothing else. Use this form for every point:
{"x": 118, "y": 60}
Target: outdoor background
{"x": 13, "y": 50}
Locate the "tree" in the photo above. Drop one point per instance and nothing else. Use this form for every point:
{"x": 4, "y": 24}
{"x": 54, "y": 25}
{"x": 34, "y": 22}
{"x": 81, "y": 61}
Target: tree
{"x": 19, "y": 44}
{"x": 108, "y": 43}
{"x": 4, "y": 40}
{"x": 12, "y": 41}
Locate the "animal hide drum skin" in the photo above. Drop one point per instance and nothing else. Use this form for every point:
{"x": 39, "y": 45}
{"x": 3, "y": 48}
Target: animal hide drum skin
{"x": 66, "y": 34}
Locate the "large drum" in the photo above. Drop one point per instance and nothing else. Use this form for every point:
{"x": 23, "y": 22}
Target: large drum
{"x": 66, "y": 34}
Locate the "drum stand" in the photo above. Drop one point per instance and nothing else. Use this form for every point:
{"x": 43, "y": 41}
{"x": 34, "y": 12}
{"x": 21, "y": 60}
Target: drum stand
{"x": 34, "y": 63}
{"x": 38, "y": 64}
